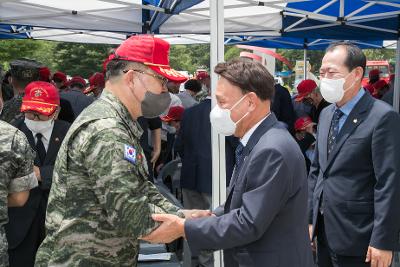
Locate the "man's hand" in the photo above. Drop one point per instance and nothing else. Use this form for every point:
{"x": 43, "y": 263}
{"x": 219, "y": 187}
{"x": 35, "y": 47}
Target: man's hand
{"x": 36, "y": 170}
{"x": 310, "y": 230}
{"x": 154, "y": 157}
{"x": 378, "y": 257}
{"x": 193, "y": 214}
{"x": 171, "y": 228}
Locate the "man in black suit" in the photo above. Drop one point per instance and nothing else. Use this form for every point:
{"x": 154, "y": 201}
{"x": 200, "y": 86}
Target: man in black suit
{"x": 26, "y": 228}
{"x": 354, "y": 181}
{"x": 283, "y": 108}
{"x": 264, "y": 219}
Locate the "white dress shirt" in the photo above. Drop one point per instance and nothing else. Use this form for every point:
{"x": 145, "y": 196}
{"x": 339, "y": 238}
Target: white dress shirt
{"x": 246, "y": 137}
{"x": 45, "y": 137}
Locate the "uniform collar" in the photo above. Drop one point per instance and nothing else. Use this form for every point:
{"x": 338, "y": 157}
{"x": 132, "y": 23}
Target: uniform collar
{"x": 122, "y": 112}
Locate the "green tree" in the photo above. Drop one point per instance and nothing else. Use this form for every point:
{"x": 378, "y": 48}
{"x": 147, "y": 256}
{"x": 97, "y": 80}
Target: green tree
{"x": 14, "y": 49}
{"x": 80, "y": 59}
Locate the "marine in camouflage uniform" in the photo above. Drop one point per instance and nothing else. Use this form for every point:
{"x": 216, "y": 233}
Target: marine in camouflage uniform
{"x": 200, "y": 96}
{"x": 100, "y": 201}
{"x": 16, "y": 174}
{"x": 11, "y": 110}
{"x": 23, "y": 71}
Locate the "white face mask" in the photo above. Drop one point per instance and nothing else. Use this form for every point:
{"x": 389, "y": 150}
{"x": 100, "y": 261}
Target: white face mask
{"x": 170, "y": 129}
{"x": 332, "y": 90}
{"x": 39, "y": 126}
{"x": 221, "y": 119}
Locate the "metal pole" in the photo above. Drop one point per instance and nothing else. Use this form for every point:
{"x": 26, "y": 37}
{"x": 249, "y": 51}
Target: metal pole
{"x": 305, "y": 64}
{"x": 217, "y": 141}
{"x": 396, "y": 92}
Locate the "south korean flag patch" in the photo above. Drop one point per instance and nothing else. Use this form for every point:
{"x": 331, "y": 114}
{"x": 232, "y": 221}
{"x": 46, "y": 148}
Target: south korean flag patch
{"x": 130, "y": 154}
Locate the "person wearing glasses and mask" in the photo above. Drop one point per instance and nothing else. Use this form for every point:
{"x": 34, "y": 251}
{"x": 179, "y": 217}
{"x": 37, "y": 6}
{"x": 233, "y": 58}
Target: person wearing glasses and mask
{"x": 354, "y": 181}
{"x": 26, "y": 228}
{"x": 101, "y": 201}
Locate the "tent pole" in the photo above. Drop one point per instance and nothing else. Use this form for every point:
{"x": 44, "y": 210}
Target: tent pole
{"x": 217, "y": 141}
{"x": 305, "y": 64}
{"x": 396, "y": 92}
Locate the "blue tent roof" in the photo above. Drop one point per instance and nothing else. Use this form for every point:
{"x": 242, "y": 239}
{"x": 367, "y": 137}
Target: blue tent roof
{"x": 301, "y": 43}
{"x": 174, "y": 7}
{"x": 11, "y": 32}
{"x": 371, "y": 21}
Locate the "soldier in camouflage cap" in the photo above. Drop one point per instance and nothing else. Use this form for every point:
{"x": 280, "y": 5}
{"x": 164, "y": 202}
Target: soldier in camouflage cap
{"x": 23, "y": 71}
{"x": 16, "y": 177}
{"x": 204, "y": 78}
{"x": 101, "y": 202}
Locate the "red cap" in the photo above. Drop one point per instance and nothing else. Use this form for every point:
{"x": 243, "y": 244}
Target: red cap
{"x": 380, "y": 84}
{"x": 60, "y": 76}
{"x": 77, "y": 79}
{"x": 96, "y": 80}
{"x": 374, "y": 72}
{"x": 174, "y": 114}
{"x": 152, "y": 52}
{"x": 44, "y": 74}
{"x": 202, "y": 75}
{"x": 302, "y": 123}
{"x": 305, "y": 88}
{"x": 41, "y": 97}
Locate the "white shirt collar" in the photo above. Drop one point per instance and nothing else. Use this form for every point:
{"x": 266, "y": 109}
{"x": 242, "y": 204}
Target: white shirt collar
{"x": 246, "y": 137}
{"x": 45, "y": 137}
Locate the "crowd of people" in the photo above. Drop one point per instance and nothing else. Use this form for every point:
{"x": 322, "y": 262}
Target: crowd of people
{"x": 316, "y": 171}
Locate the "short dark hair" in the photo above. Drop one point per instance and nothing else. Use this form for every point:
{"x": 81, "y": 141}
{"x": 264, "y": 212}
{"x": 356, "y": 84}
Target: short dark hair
{"x": 116, "y": 66}
{"x": 355, "y": 56}
{"x": 249, "y": 76}
{"x": 193, "y": 85}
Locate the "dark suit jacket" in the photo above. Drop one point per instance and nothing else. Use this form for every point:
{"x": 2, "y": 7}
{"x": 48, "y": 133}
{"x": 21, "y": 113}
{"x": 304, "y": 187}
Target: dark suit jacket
{"x": 264, "y": 219}
{"x": 283, "y": 108}
{"x": 360, "y": 179}
{"x": 194, "y": 146}
{"x": 24, "y": 226}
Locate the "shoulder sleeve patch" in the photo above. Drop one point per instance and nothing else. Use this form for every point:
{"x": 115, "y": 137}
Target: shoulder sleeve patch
{"x": 130, "y": 154}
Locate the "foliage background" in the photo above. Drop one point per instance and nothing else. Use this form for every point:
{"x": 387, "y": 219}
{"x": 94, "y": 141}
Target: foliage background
{"x": 85, "y": 59}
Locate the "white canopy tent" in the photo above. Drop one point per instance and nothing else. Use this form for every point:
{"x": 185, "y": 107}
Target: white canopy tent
{"x": 97, "y": 15}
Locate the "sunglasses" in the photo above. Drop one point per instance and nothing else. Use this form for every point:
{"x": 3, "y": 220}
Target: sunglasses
{"x": 163, "y": 80}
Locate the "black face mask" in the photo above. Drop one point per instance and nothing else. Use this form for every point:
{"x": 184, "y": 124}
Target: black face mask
{"x": 154, "y": 105}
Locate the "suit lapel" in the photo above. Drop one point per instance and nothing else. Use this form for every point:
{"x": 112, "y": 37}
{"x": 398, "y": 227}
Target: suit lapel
{"x": 54, "y": 143}
{"x": 28, "y": 135}
{"x": 264, "y": 127}
{"x": 356, "y": 116}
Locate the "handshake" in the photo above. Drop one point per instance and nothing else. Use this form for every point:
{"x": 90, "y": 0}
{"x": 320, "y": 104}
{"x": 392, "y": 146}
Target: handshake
{"x": 173, "y": 227}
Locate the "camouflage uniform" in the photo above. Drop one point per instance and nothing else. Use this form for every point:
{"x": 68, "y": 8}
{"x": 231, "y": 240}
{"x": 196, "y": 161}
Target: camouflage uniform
{"x": 100, "y": 201}
{"x": 200, "y": 96}
{"x": 16, "y": 174}
{"x": 12, "y": 109}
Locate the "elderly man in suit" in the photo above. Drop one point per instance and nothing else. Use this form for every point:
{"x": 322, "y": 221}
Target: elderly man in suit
{"x": 26, "y": 230}
{"x": 354, "y": 181}
{"x": 264, "y": 219}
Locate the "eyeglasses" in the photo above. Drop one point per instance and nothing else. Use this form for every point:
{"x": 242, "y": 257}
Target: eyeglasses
{"x": 163, "y": 80}
{"x": 34, "y": 116}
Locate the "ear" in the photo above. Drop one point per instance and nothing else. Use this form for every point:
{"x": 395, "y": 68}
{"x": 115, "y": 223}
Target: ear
{"x": 57, "y": 112}
{"x": 358, "y": 73}
{"x": 129, "y": 77}
{"x": 252, "y": 101}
